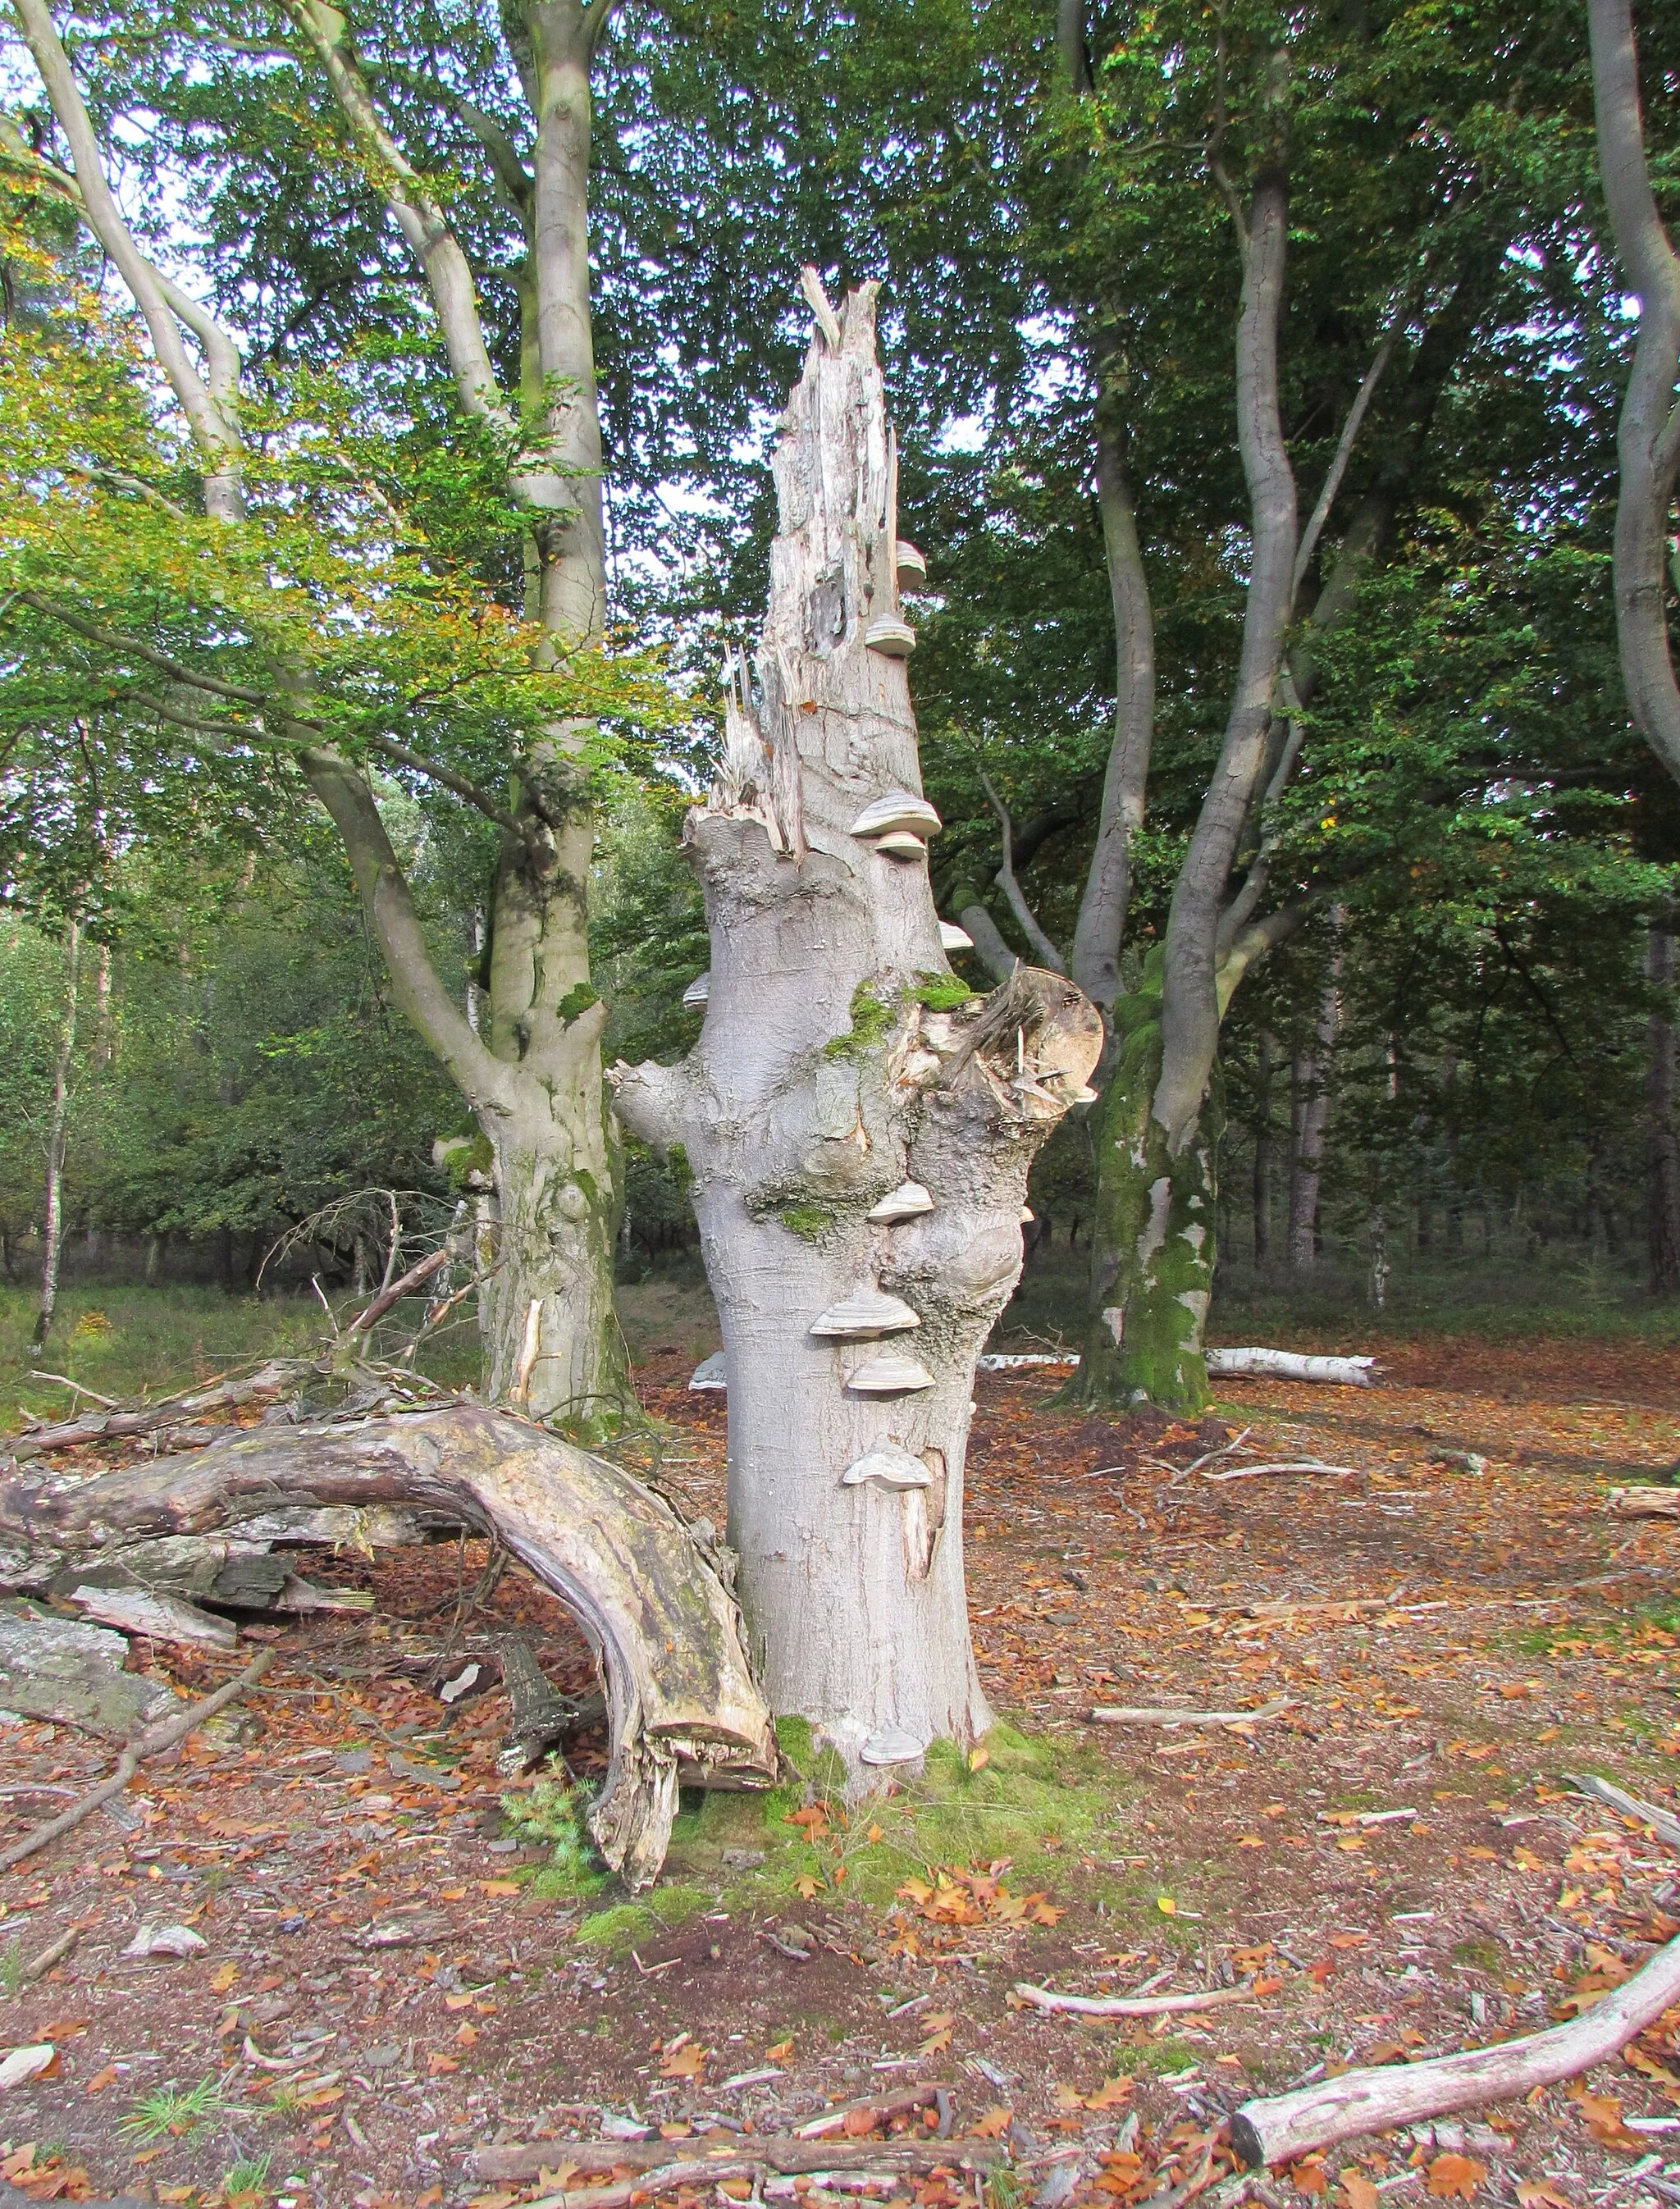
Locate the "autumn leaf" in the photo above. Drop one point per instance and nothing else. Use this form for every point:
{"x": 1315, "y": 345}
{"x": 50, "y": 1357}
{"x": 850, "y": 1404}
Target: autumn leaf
{"x": 223, "y": 1978}
{"x": 457, "y": 2001}
{"x": 1539, "y": 2194}
{"x": 780, "y": 2053}
{"x": 685, "y": 2062}
{"x": 805, "y": 1887}
{"x": 1310, "y": 2177}
{"x": 1166, "y": 1905}
{"x": 1357, "y": 2191}
{"x": 466, "y": 2035}
{"x": 993, "y": 2125}
{"x": 873, "y": 1835}
{"x": 498, "y": 1887}
{"x": 436, "y": 2065}
{"x": 941, "y": 2022}
{"x": 100, "y": 2080}
{"x": 1454, "y": 2177}
{"x": 978, "y": 1759}
{"x": 1110, "y": 2094}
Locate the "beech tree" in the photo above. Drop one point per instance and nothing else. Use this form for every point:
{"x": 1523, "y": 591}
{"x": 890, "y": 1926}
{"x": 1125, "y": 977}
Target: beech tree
{"x": 469, "y": 699}
{"x": 858, "y": 1122}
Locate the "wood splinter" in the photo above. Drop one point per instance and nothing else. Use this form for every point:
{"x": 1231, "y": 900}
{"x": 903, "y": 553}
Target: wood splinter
{"x": 1133, "y": 2004}
{"x": 1148, "y": 1714}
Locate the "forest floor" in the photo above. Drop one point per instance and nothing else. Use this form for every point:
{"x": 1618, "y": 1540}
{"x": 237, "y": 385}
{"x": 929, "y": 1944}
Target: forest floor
{"x": 393, "y": 1978}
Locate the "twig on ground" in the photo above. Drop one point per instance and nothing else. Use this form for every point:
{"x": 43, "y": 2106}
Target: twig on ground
{"x": 54, "y": 1952}
{"x": 1148, "y": 1714}
{"x": 1279, "y": 2128}
{"x": 153, "y": 1743}
{"x": 77, "y": 1388}
{"x": 1133, "y": 2004}
{"x": 1295, "y": 1465}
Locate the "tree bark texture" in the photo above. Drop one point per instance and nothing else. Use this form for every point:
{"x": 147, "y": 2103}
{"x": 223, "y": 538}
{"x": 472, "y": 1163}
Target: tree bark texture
{"x": 1152, "y": 1235}
{"x": 840, "y": 1066}
{"x": 57, "y": 1138}
{"x": 1309, "y": 1118}
{"x": 1647, "y": 436}
{"x": 1662, "y": 1143}
{"x": 1265, "y": 1147}
{"x": 683, "y": 1707}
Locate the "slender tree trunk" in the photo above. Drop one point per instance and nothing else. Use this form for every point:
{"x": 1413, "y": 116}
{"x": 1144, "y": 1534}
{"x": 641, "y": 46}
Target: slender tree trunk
{"x": 1662, "y": 1145}
{"x": 63, "y": 1066}
{"x": 1309, "y": 1118}
{"x": 1265, "y": 1149}
{"x": 860, "y": 1131}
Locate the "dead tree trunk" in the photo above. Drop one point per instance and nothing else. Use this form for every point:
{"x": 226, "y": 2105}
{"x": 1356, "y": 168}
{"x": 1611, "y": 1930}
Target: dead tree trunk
{"x": 859, "y": 1125}
{"x": 1309, "y": 1118}
{"x": 683, "y": 1707}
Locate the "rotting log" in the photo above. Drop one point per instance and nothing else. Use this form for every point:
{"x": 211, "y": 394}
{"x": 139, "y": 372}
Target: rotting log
{"x": 1281, "y": 2126}
{"x": 1291, "y": 1365}
{"x": 683, "y": 1704}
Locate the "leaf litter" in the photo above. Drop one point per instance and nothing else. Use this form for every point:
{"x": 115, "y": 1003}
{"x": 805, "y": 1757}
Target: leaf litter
{"x": 390, "y": 1996}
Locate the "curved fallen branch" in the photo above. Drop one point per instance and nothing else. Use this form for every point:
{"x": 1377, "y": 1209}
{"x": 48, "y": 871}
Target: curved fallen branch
{"x": 681, "y": 1695}
{"x": 1293, "y": 1465}
{"x": 1133, "y": 2004}
{"x": 1284, "y": 2126}
{"x": 272, "y": 1379}
{"x": 153, "y": 1743}
{"x": 1291, "y": 1365}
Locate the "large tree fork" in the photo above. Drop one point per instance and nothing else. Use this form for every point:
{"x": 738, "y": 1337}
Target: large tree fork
{"x": 682, "y": 1705}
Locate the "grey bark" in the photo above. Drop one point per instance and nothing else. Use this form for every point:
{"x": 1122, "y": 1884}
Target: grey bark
{"x": 63, "y": 1067}
{"x": 536, "y": 1087}
{"x": 1662, "y": 1142}
{"x": 1309, "y": 1117}
{"x": 819, "y": 1085}
{"x": 1190, "y": 1006}
{"x": 1647, "y": 436}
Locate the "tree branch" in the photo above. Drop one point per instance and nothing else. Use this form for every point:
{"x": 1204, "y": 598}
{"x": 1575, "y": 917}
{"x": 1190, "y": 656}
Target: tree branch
{"x": 485, "y": 1082}
{"x": 1339, "y": 458}
{"x": 418, "y": 215}
{"x": 1047, "y": 952}
{"x": 163, "y": 305}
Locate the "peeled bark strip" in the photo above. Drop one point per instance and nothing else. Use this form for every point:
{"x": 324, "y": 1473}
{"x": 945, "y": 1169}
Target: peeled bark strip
{"x": 681, "y": 1698}
{"x": 1285, "y": 2126}
{"x": 839, "y": 1061}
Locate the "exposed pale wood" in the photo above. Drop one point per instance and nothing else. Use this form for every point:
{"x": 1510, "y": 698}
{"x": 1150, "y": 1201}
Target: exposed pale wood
{"x": 1151, "y": 1715}
{"x": 1279, "y": 2128}
{"x": 1293, "y": 1465}
{"x": 1133, "y": 2004}
{"x": 153, "y": 1743}
{"x": 681, "y": 1694}
{"x": 1646, "y": 1502}
{"x": 719, "y": 2158}
{"x": 1663, "y": 1823}
{"x": 1291, "y": 1365}
{"x": 156, "y": 1617}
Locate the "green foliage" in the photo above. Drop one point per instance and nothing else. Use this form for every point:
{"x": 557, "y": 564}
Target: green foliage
{"x": 249, "y": 2176}
{"x": 576, "y": 1000}
{"x": 169, "y": 2109}
{"x": 618, "y": 1929}
{"x": 940, "y": 993}
{"x": 557, "y": 1816}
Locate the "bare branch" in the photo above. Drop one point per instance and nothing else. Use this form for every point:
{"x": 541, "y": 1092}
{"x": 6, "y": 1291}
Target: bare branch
{"x": 164, "y": 307}
{"x": 1350, "y": 431}
{"x": 1047, "y": 952}
{"x": 417, "y": 213}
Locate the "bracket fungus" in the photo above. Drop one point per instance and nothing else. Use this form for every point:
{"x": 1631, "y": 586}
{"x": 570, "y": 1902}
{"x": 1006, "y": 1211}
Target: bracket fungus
{"x": 889, "y": 1376}
{"x": 909, "y": 1200}
{"x": 865, "y": 1315}
{"x": 890, "y": 1465}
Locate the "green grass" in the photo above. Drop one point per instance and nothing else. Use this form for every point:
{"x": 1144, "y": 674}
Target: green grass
{"x": 249, "y": 2176}
{"x": 167, "y": 2109}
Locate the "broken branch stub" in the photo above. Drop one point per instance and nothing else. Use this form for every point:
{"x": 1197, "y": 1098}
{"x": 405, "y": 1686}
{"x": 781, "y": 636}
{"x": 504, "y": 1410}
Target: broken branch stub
{"x": 682, "y": 1700}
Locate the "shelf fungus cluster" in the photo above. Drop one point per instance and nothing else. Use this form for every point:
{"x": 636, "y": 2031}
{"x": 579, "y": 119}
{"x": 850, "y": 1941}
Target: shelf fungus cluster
{"x": 898, "y": 824}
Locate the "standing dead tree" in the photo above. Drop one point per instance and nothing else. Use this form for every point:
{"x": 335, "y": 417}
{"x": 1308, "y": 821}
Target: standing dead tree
{"x": 858, "y": 1124}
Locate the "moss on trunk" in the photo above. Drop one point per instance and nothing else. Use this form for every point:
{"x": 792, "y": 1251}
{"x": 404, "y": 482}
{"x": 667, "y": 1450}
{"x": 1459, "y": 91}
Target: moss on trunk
{"x": 1152, "y": 1229}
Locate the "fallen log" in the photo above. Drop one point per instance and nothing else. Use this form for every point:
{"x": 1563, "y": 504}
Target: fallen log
{"x": 1279, "y": 2128}
{"x": 682, "y": 1700}
{"x": 153, "y": 1743}
{"x": 1133, "y": 2004}
{"x": 1645, "y": 1502}
{"x": 1149, "y": 1714}
{"x": 1291, "y": 1365}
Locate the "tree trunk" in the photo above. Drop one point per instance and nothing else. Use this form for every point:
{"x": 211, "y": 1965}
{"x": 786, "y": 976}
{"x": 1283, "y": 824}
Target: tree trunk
{"x": 1662, "y": 1150}
{"x": 1309, "y": 1118}
{"x": 63, "y": 1065}
{"x": 1153, "y": 1241}
{"x": 1265, "y": 1150}
{"x": 860, "y": 1128}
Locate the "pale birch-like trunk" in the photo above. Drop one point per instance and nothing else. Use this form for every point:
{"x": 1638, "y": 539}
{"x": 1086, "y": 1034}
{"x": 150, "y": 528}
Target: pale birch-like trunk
{"x": 534, "y": 1082}
{"x": 823, "y": 1081}
{"x": 58, "y": 1137}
